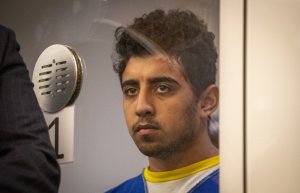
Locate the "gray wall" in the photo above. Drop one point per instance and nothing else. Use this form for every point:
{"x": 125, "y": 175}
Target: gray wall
{"x": 104, "y": 152}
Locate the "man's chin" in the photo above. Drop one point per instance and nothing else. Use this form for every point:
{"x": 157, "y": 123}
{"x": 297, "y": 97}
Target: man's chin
{"x": 152, "y": 150}
{"x": 150, "y": 153}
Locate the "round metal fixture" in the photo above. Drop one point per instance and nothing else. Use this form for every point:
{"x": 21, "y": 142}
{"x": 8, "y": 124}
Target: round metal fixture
{"x": 57, "y": 77}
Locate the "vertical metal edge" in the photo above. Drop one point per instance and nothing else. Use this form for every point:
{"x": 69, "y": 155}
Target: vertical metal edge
{"x": 232, "y": 97}
{"x": 245, "y": 95}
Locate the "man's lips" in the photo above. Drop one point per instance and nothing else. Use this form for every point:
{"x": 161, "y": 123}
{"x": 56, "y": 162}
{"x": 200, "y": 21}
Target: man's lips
{"x": 143, "y": 127}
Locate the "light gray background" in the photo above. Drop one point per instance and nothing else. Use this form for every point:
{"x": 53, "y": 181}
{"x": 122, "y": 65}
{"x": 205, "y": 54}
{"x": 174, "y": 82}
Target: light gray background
{"x": 104, "y": 152}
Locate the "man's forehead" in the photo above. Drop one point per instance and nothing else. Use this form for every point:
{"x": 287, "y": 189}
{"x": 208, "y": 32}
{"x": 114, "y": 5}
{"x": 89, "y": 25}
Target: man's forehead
{"x": 151, "y": 66}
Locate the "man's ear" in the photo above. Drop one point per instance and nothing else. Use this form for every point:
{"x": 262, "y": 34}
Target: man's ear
{"x": 209, "y": 100}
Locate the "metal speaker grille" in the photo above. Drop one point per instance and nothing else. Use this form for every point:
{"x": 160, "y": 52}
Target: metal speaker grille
{"x": 57, "y": 77}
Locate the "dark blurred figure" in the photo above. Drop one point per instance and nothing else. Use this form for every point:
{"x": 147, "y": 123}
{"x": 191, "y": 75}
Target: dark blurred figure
{"x": 214, "y": 131}
{"x": 27, "y": 160}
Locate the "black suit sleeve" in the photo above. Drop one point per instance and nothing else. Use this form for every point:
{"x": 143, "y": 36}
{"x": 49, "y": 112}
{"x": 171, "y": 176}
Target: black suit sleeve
{"x": 27, "y": 160}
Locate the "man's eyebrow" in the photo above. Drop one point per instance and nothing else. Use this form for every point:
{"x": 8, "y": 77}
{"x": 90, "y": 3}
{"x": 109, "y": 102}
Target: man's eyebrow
{"x": 129, "y": 82}
{"x": 153, "y": 80}
{"x": 163, "y": 79}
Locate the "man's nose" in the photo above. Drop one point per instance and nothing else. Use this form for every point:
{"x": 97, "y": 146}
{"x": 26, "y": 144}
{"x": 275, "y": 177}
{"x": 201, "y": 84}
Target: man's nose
{"x": 144, "y": 105}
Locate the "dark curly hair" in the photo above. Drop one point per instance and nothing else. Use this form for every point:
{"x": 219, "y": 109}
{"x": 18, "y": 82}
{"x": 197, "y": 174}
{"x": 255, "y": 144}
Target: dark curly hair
{"x": 176, "y": 33}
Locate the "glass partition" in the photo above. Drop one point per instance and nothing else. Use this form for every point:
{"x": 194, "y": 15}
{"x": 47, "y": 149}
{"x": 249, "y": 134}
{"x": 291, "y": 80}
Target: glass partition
{"x": 105, "y": 154}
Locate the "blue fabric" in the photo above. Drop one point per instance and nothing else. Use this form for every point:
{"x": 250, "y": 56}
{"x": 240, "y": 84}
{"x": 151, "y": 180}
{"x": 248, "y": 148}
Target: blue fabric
{"x": 133, "y": 185}
{"x": 210, "y": 184}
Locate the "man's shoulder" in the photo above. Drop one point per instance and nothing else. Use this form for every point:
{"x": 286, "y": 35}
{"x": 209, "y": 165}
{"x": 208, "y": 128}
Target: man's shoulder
{"x": 4, "y": 31}
{"x": 3, "y": 28}
{"x": 210, "y": 184}
{"x": 132, "y": 185}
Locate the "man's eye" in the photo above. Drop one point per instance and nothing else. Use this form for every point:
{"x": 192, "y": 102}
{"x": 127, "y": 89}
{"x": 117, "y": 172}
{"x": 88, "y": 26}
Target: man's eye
{"x": 130, "y": 91}
{"x": 163, "y": 89}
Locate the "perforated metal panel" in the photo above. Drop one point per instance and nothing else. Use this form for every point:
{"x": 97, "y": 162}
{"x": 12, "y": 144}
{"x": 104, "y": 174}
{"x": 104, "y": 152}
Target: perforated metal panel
{"x": 57, "y": 77}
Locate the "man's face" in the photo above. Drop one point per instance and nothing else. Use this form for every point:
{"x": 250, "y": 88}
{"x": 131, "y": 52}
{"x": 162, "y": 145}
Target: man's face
{"x": 160, "y": 108}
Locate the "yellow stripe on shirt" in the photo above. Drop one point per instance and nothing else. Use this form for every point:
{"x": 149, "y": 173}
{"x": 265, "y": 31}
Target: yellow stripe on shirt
{"x": 156, "y": 177}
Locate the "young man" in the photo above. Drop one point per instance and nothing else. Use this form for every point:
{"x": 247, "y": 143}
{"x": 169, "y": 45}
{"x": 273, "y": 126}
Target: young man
{"x": 166, "y": 64}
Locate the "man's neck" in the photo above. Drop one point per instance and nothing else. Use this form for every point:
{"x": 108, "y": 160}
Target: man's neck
{"x": 181, "y": 159}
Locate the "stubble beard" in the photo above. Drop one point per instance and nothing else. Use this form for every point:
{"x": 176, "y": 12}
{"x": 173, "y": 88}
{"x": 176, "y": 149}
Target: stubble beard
{"x": 152, "y": 147}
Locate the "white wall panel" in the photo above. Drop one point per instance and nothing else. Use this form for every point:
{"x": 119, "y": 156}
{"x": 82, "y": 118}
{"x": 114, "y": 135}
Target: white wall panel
{"x": 273, "y": 93}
